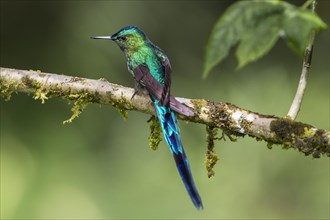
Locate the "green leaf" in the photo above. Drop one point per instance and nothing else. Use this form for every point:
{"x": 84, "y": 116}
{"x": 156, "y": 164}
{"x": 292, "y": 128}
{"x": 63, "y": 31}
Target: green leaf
{"x": 259, "y": 40}
{"x": 256, "y": 26}
{"x": 224, "y": 35}
{"x": 238, "y": 19}
{"x": 298, "y": 25}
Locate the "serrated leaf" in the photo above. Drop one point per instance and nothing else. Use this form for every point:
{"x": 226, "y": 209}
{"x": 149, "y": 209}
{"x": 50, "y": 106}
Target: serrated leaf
{"x": 233, "y": 24}
{"x": 298, "y": 25}
{"x": 259, "y": 40}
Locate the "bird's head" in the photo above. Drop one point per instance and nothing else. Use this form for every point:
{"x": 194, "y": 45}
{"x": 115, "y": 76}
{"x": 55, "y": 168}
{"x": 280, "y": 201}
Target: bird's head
{"x": 130, "y": 38}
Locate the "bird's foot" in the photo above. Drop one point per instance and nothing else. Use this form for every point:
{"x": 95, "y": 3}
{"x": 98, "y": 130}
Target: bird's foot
{"x": 138, "y": 90}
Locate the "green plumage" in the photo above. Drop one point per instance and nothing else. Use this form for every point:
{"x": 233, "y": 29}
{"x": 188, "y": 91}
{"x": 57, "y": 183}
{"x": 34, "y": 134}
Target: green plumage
{"x": 152, "y": 71}
{"x": 139, "y": 50}
{"x": 146, "y": 55}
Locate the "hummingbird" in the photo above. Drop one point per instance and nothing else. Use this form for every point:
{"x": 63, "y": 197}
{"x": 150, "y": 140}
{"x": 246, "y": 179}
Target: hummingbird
{"x": 151, "y": 70}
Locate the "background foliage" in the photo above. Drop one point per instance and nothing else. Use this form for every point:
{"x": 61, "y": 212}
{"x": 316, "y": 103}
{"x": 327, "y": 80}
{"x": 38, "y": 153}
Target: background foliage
{"x": 100, "y": 166}
{"x": 256, "y": 26}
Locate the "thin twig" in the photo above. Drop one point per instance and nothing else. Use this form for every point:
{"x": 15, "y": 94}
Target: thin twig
{"x": 296, "y": 103}
{"x": 233, "y": 119}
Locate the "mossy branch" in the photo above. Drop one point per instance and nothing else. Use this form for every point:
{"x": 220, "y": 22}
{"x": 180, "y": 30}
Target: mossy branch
{"x": 232, "y": 119}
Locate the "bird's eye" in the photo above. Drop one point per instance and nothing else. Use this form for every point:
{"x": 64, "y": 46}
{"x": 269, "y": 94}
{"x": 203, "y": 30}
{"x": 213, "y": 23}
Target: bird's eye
{"x": 122, "y": 38}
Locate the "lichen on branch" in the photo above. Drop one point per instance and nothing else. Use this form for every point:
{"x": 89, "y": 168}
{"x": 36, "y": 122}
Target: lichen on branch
{"x": 234, "y": 120}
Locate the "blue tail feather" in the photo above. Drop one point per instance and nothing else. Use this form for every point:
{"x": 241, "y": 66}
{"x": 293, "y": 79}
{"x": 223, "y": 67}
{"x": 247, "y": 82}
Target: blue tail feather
{"x": 168, "y": 122}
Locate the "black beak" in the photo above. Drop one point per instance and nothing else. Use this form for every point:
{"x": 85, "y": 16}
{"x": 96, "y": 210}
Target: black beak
{"x": 102, "y": 37}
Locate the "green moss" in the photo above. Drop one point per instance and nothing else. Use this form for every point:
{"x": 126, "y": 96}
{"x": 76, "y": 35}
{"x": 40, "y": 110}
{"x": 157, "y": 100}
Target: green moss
{"x": 286, "y": 129}
{"x": 288, "y": 133}
{"x": 155, "y": 136}
{"x": 211, "y": 156}
{"x": 303, "y": 137}
{"x": 123, "y": 112}
{"x": 7, "y": 88}
{"x": 220, "y": 116}
{"x": 38, "y": 71}
{"x": 199, "y": 104}
{"x": 39, "y": 94}
{"x": 80, "y": 99}
{"x": 31, "y": 83}
{"x": 56, "y": 91}
{"x": 309, "y": 132}
{"x": 80, "y": 102}
{"x": 122, "y": 105}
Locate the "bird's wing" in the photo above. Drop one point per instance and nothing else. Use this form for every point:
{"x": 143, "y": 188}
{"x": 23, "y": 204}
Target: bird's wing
{"x": 143, "y": 76}
{"x": 165, "y": 98}
{"x": 167, "y": 70}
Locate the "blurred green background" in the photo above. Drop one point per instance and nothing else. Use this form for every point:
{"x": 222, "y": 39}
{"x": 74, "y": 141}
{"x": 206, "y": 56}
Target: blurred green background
{"x": 100, "y": 166}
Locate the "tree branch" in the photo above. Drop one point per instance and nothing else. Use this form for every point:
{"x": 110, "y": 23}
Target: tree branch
{"x": 232, "y": 119}
{"x": 296, "y": 103}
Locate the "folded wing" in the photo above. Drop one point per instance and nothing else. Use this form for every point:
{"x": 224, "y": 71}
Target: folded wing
{"x": 162, "y": 93}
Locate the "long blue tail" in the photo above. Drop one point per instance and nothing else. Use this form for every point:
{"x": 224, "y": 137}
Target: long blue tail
{"x": 168, "y": 122}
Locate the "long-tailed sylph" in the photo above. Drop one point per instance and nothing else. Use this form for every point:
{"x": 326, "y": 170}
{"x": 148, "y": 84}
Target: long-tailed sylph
{"x": 151, "y": 70}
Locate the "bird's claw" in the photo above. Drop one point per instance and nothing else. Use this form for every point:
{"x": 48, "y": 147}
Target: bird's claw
{"x": 135, "y": 92}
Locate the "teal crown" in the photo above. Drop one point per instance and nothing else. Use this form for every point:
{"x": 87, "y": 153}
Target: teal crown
{"x": 129, "y": 30}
